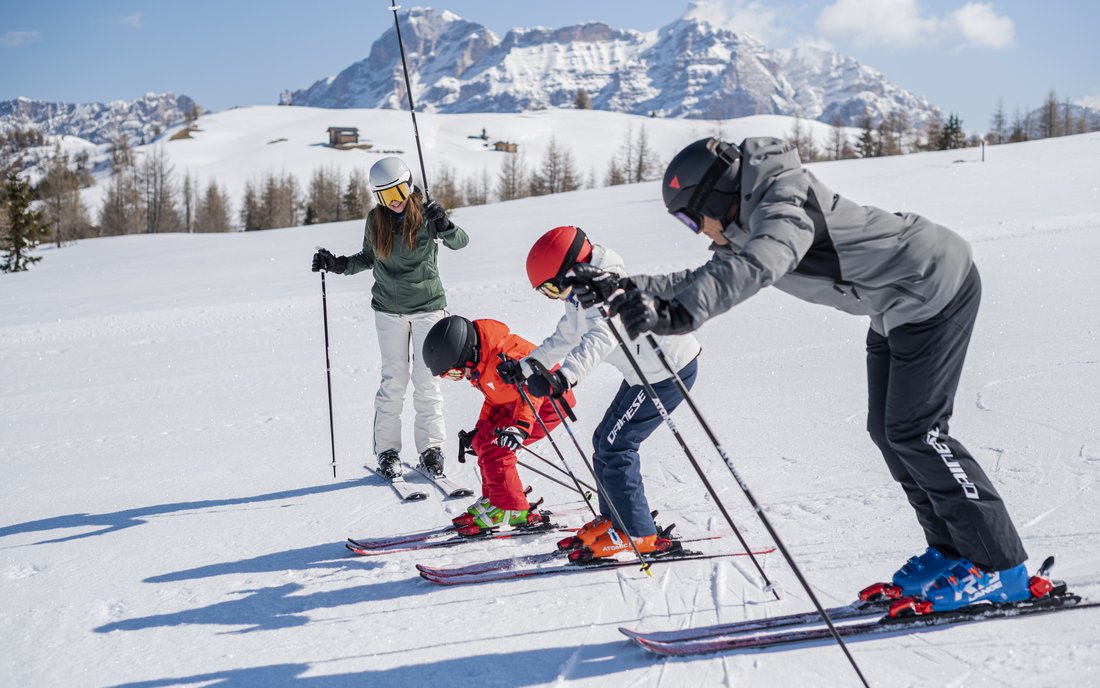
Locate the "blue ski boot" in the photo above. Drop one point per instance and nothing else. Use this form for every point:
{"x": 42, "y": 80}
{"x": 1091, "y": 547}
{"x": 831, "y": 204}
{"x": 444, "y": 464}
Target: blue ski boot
{"x": 911, "y": 579}
{"x": 965, "y": 584}
{"x": 921, "y": 571}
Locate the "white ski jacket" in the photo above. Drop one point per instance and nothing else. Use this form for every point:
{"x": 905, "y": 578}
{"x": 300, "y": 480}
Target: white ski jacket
{"x": 583, "y": 340}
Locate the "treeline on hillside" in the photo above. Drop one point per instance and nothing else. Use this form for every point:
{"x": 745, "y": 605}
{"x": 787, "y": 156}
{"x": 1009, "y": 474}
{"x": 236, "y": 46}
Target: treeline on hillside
{"x": 896, "y": 135}
{"x": 145, "y": 193}
{"x": 555, "y": 172}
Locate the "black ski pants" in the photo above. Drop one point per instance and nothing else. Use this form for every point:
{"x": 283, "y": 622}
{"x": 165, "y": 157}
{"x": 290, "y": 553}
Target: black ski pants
{"x": 912, "y": 377}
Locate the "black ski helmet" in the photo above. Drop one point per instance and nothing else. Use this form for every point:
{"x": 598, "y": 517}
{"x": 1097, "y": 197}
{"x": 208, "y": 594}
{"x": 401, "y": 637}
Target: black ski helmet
{"x": 703, "y": 179}
{"x": 451, "y": 343}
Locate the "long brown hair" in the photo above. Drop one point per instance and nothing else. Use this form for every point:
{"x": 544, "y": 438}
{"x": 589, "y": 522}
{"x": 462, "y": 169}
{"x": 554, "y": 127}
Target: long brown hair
{"x": 382, "y": 225}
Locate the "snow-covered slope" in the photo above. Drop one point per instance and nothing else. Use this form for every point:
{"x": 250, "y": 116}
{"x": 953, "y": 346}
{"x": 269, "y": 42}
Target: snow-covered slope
{"x": 238, "y": 145}
{"x": 168, "y": 515}
{"x": 691, "y": 67}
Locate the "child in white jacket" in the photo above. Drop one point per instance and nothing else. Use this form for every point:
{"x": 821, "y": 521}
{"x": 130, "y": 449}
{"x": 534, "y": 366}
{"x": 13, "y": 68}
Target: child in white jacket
{"x": 581, "y": 341}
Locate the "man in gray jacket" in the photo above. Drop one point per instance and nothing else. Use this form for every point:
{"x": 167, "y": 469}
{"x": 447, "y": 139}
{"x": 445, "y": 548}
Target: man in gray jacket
{"x": 772, "y": 223}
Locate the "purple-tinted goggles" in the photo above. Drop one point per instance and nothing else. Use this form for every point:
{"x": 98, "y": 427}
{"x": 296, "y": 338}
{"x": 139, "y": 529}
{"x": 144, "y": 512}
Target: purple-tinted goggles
{"x": 693, "y": 222}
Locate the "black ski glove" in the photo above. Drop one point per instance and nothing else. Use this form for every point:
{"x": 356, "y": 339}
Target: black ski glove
{"x": 511, "y": 437}
{"x": 593, "y": 286}
{"x": 511, "y": 372}
{"x": 324, "y": 260}
{"x": 544, "y": 383}
{"x": 466, "y": 444}
{"x": 641, "y": 312}
{"x": 436, "y": 216}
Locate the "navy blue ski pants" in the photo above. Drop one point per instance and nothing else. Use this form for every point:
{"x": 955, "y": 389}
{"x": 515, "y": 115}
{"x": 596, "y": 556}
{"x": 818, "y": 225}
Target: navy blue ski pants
{"x": 630, "y": 419}
{"x": 912, "y": 376}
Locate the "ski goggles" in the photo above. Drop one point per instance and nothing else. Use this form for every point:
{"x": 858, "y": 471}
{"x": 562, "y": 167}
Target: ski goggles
{"x": 725, "y": 156}
{"x": 397, "y": 193}
{"x": 454, "y": 374}
{"x": 552, "y": 289}
{"x": 690, "y": 219}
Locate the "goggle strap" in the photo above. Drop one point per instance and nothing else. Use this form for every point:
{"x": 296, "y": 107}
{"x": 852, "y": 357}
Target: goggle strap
{"x": 575, "y": 249}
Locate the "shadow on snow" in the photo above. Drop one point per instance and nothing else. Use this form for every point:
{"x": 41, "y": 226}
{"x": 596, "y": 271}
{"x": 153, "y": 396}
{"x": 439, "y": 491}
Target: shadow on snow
{"x": 523, "y": 668}
{"x": 120, "y": 520}
{"x": 273, "y": 608}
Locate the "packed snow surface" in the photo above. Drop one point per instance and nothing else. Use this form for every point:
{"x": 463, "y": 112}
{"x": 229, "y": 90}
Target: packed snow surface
{"x": 168, "y": 514}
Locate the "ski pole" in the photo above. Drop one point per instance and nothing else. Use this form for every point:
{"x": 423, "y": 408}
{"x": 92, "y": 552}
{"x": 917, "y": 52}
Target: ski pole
{"x": 652, "y": 393}
{"x": 328, "y": 372}
{"x": 586, "y": 495}
{"x": 748, "y": 494}
{"x": 584, "y": 459}
{"x": 546, "y": 431}
{"x": 557, "y": 468}
{"x": 610, "y": 505}
{"x": 408, "y": 91}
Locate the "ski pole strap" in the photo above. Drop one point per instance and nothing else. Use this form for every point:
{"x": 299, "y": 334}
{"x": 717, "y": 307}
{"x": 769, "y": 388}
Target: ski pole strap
{"x": 568, "y": 410}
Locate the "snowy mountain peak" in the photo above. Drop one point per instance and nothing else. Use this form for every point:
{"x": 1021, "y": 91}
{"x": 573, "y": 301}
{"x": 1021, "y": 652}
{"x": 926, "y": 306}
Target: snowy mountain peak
{"x": 141, "y": 120}
{"x": 697, "y": 66}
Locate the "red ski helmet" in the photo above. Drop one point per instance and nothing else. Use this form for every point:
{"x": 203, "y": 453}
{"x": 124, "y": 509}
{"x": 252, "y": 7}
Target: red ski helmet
{"x": 554, "y": 253}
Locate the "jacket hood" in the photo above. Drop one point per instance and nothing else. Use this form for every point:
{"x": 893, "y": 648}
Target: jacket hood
{"x": 763, "y": 160}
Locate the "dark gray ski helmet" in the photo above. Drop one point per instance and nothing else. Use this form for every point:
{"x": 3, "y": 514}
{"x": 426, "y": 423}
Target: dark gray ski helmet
{"x": 451, "y": 343}
{"x": 704, "y": 179}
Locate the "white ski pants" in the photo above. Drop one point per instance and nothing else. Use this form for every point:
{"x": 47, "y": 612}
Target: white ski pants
{"x": 400, "y": 341}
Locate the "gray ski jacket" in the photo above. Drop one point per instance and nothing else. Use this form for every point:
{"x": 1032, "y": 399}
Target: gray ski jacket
{"x": 798, "y": 235}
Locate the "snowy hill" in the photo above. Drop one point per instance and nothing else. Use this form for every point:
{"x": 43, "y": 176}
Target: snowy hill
{"x": 238, "y": 145}
{"x": 688, "y": 68}
{"x": 168, "y": 515}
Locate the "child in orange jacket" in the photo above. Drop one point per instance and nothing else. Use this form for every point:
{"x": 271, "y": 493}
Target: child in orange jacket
{"x": 455, "y": 349}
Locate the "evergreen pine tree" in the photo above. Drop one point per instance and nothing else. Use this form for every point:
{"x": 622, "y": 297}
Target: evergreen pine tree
{"x": 952, "y": 136}
{"x": 866, "y": 146}
{"x": 352, "y": 201}
{"x": 24, "y": 228}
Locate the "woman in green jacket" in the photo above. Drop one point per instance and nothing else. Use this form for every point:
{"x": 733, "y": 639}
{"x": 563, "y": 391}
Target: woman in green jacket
{"x": 400, "y": 247}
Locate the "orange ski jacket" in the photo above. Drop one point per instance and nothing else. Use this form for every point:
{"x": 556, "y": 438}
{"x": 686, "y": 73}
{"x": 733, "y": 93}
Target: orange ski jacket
{"x": 495, "y": 338}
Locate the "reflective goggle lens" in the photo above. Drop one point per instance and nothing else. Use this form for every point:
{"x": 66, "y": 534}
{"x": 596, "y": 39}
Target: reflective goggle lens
{"x": 395, "y": 193}
{"x": 693, "y": 223}
{"x": 550, "y": 290}
{"x": 454, "y": 374}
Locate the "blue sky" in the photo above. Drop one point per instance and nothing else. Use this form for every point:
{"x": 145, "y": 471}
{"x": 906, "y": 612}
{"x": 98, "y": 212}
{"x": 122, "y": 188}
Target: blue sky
{"x": 962, "y": 55}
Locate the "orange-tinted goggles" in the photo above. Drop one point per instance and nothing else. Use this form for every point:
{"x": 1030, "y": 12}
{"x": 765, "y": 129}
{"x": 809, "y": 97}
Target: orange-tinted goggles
{"x": 454, "y": 374}
{"x": 552, "y": 290}
{"x": 395, "y": 193}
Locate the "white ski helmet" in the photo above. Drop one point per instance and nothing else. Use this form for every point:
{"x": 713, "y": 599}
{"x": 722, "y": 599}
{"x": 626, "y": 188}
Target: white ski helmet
{"x": 390, "y": 180}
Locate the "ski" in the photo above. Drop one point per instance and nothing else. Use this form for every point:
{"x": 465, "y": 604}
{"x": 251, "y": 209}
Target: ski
{"x": 421, "y": 536}
{"x": 405, "y": 490}
{"x": 523, "y": 560}
{"x": 454, "y": 540}
{"x": 1056, "y": 601}
{"x": 441, "y": 532}
{"x": 495, "y": 565}
{"x": 599, "y": 565}
{"x": 848, "y": 611}
{"x": 445, "y": 484}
